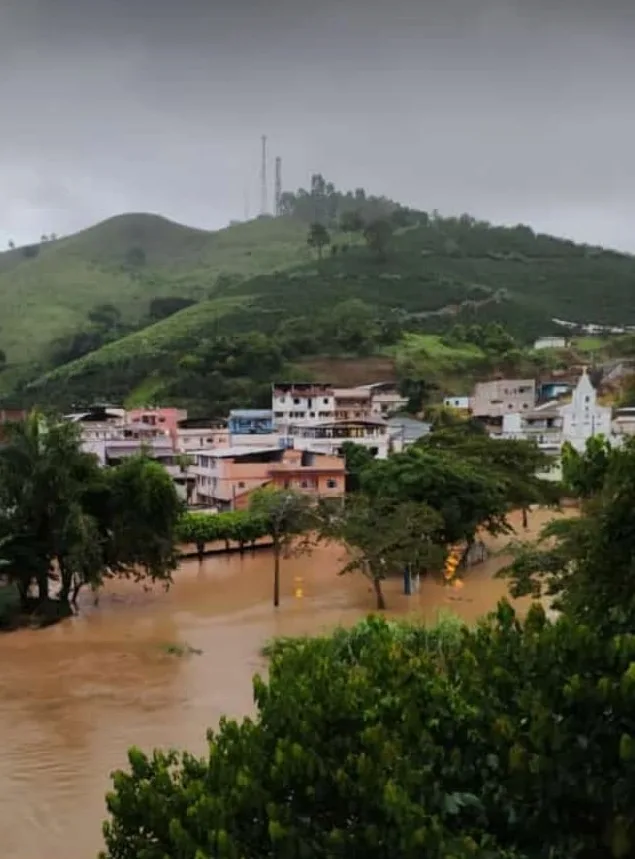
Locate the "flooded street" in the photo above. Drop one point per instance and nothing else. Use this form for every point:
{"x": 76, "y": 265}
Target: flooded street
{"x": 74, "y": 697}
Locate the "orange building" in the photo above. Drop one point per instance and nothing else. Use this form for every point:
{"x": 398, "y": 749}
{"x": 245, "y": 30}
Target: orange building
{"x": 225, "y": 478}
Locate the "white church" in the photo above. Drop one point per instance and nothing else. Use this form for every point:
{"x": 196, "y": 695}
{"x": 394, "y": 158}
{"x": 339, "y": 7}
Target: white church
{"x": 553, "y": 423}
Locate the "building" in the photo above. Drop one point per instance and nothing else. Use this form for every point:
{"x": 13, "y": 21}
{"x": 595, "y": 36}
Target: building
{"x": 226, "y": 478}
{"x": 198, "y": 433}
{"x": 583, "y": 418}
{"x": 550, "y": 343}
{"x": 624, "y": 421}
{"x": 306, "y": 403}
{"x": 329, "y": 436}
{"x": 553, "y": 423}
{"x": 385, "y": 399}
{"x": 252, "y": 428}
{"x": 352, "y": 403}
{"x": 99, "y": 423}
{"x": 503, "y": 396}
{"x": 302, "y": 403}
{"x": 166, "y": 419}
{"x": 461, "y": 404}
{"x": 553, "y": 389}
{"x": 404, "y": 431}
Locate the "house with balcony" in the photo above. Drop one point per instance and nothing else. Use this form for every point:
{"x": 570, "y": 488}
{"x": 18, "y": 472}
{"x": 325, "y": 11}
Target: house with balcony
{"x": 99, "y": 423}
{"x": 226, "y": 478}
{"x": 300, "y": 403}
{"x": 165, "y": 419}
{"x": 352, "y": 403}
{"x": 329, "y": 436}
{"x": 385, "y": 399}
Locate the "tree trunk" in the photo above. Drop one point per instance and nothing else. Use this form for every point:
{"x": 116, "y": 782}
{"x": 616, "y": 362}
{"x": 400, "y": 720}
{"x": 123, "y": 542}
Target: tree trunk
{"x": 23, "y": 586}
{"x": 43, "y": 587}
{"x": 525, "y": 518}
{"x": 67, "y": 580}
{"x": 276, "y": 575}
{"x": 379, "y": 595}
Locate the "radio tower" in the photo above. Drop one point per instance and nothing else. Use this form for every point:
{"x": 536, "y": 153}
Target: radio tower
{"x": 263, "y": 177}
{"x": 278, "y": 187}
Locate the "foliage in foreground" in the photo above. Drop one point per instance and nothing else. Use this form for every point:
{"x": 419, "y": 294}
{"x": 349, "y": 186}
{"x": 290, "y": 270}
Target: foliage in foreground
{"x": 382, "y": 743}
{"x": 66, "y": 523}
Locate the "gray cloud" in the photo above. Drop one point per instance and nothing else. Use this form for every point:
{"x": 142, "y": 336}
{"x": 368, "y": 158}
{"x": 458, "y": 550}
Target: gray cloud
{"x": 513, "y": 111}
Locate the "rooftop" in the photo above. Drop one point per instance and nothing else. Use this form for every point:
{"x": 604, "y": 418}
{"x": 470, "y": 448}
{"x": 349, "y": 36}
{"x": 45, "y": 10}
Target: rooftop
{"x": 251, "y": 414}
{"x": 233, "y": 452}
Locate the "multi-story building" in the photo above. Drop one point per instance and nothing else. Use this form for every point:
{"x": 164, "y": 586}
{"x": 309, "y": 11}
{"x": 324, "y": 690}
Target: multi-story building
{"x": 99, "y": 423}
{"x": 199, "y": 433}
{"x": 385, "y": 399}
{"x": 302, "y": 403}
{"x": 166, "y": 419}
{"x": 226, "y": 478}
{"x": 461, "y": 404}
{"x": 252, "y": 428}
{"x": 503, "y": 396}
{"x": 352, "y": 403}
{"x": 624, "y": 421}
{"x": 553, "y": 423}
{"x": 330, "y": 436}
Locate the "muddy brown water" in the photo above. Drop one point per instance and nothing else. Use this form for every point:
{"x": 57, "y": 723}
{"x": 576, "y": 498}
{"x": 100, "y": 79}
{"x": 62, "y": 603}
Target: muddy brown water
{"x": 75, "y": 697}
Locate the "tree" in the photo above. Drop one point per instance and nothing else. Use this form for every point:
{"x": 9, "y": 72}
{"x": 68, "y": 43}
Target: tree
{"x": 287, "y": 517}
{"x": 515, "y": 464}
{"x": 351, "y": 221}
{"x": 383, "y": 539}
{"x": 357, "y": 458}
{"x": 67, "y": 522}
{"x": 377, "y": 235}
{"x": 3, "y": 359}
{"x": 11, "y": 244}
{"x": 508, "y": 741}
{"x": 318, "y": 238}
{"x": 584, "y": 473}
{"x": 465, "y": 495}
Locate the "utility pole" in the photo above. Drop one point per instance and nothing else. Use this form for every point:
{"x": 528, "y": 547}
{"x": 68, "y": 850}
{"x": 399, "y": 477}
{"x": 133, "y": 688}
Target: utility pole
{"x": 278, "y": 187}
{"x": 263, "y": 176}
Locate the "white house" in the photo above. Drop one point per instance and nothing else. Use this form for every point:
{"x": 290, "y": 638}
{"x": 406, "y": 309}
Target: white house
{"x": 302, "y": 403}
{"x": 551, "y": 343}
{"x": 329, "y": 436}
{"x": 462, "y": 404}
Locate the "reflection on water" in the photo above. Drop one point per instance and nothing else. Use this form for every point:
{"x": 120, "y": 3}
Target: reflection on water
{"x": 75, "y": 697}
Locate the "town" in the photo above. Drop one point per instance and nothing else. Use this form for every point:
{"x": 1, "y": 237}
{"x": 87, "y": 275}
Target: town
{"x": 298, "y": 442}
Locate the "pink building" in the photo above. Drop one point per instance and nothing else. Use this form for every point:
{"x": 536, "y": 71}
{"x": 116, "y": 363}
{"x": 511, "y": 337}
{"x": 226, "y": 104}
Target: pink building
{"x": 165, "y": 419}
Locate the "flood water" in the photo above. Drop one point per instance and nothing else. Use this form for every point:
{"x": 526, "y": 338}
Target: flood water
{"x": 75, "y": 697}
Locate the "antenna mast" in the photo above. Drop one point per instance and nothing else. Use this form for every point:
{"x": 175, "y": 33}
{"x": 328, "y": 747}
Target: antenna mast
{"x": 263, "y": 176}
{"x": 278, "y": 187}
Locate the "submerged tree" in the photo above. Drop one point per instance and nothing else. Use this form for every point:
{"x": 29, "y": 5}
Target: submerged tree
{"x": 287, "y": 518}
{"x": 383, "y": 539}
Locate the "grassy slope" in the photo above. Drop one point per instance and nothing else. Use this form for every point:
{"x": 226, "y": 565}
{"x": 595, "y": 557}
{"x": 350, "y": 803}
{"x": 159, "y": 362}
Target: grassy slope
{"x": 49, "y": 296}
{"x": 524, "y": 279}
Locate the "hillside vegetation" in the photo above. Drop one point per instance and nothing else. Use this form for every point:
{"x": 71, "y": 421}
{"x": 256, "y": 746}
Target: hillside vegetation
{"x": 48, "y": 291}
{"x": 340, "y": 278}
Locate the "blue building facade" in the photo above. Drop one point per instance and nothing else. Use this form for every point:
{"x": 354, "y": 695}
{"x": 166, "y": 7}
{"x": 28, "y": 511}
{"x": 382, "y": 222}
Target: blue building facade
{"x": 250, "y": 422}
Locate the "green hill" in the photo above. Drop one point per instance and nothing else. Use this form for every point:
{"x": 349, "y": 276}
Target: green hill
{"x": 284, "y": 310}
{"x": 47, "y": 291}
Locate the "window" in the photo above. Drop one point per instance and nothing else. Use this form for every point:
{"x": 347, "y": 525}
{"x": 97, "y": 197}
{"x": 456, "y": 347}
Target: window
{"x": 241, "y": 484}
{"x": 279, "y": 414}
{"x": 325, "y": 401}
{"x": 304, "y": 484}
{"x": 332, "y": 484}
{"x": 296, "y": 401}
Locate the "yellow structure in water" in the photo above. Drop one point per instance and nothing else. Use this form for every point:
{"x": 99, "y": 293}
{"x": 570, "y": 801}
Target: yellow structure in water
{"x": 298, "y": 591}
{"x": 452, "y": 561}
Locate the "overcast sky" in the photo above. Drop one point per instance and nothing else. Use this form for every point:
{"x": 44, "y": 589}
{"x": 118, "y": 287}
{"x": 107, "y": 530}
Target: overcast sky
{"x": 511, "y": 110}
